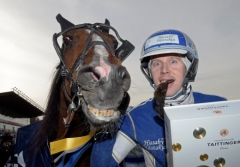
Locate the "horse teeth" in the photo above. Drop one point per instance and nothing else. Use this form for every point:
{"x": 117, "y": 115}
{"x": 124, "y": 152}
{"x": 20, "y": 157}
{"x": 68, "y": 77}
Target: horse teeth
{"x": 103, "y": 112}
{"x": 100, "y": 112}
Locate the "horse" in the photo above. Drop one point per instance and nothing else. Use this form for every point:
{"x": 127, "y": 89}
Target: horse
{"x": 87, "y": 97}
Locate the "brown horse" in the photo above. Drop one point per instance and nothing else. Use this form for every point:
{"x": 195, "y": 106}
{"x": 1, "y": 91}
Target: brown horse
{"x": 89, "y": 90}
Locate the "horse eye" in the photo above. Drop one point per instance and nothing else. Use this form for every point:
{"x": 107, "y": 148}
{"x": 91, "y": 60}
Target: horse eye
{"x": 67, "y": 40}
{"x": 115, "y": 44}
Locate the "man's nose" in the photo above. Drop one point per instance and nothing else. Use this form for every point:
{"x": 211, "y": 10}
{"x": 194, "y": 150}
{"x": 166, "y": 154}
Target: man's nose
{"x": 165, "y": 69}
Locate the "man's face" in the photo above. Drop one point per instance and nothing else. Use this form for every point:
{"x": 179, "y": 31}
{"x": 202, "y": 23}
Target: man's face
{"x": 168, "y": 66}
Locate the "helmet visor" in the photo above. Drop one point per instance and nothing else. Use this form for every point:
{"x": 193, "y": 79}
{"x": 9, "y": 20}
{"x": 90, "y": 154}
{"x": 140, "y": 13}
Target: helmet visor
{"x": 164, "y": 51}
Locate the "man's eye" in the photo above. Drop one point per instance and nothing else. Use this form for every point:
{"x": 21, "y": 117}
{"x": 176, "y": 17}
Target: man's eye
{"x": 173, "y": 61}
{"x": 155, "y": 64}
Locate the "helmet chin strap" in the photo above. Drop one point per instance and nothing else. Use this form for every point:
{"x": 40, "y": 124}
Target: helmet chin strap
{"x": 185, "y": 85}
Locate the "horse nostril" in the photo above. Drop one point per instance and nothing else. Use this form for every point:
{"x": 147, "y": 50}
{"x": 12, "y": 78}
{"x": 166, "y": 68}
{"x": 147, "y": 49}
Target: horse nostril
{"x": 124, "y": 77}
{"x": 95, "y": 75}
{"x": 122, "y": 72}
{"x": 94, "y": 72}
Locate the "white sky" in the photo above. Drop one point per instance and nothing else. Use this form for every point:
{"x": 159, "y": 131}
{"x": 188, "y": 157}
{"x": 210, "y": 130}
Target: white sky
{"x": 28, "y": 59}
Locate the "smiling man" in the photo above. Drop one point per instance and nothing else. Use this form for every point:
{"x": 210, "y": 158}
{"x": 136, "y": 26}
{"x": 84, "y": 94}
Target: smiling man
{"x": 166, "y": 55}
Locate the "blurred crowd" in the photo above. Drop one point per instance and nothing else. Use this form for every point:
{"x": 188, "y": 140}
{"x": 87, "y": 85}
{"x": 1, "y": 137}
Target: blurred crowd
{"x": 6, "y": 147}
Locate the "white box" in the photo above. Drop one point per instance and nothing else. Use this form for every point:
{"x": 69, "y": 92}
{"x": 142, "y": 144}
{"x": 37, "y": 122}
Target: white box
{"x": 185, "y": 126}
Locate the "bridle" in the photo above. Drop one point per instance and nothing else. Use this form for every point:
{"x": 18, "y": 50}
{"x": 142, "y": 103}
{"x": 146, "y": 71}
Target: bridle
{"x": 122, "y": 53}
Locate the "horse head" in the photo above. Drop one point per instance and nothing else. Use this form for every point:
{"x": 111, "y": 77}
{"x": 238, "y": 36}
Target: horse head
{"x": 92, "y": 71}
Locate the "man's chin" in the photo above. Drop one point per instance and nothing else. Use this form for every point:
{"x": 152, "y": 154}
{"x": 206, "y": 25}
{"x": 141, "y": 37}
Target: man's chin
{"x": 170, "y": 92}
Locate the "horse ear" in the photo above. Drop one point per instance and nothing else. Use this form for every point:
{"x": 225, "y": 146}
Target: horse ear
{"x": 65, "y": 24}
{"x": 107, "y": 22}
{"x": 105, "y": 29}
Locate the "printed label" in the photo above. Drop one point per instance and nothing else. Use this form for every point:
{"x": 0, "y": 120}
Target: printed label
{"x": 168, "y": 38}
{"x": 154, "y": 145}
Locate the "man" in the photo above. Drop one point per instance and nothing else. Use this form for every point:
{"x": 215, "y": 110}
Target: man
{"x": 166, "y": 55}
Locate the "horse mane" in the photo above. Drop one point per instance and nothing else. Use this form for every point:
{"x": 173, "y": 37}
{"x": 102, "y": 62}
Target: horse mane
{"x": 47, "y": 129}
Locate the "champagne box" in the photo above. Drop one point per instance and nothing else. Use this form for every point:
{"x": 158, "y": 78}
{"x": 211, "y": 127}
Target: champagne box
{"x": 202, "y": 135}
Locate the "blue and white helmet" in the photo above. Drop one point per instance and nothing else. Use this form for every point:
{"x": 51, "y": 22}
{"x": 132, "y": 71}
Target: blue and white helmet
{"x": 170, "y": 41}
